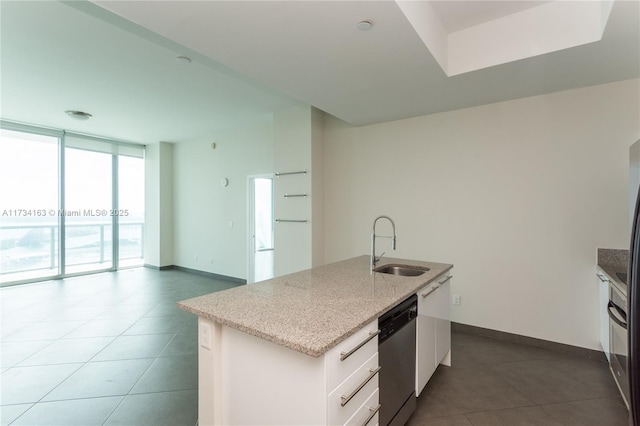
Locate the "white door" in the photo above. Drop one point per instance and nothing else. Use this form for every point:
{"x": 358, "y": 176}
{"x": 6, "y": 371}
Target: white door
{"x": 260, "y": 244}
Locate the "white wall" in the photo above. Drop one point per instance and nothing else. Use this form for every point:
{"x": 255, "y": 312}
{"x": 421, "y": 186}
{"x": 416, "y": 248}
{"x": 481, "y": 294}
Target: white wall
{"x": 317, "y": 187}
{"x": 203, "y": 208}
{"x": 292, "y": 153}
{"x": 517, "y": 195}
{"x": 298, "y": 146}
{"x": 158, "y": 241}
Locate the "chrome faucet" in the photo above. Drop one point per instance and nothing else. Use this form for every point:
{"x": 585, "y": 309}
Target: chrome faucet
{"x": 374, "y": 258}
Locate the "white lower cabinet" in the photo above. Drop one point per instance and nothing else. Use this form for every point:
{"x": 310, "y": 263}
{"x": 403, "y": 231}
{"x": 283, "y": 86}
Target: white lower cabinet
{"x": 350, "y": 395}
{"x": 433, "y": 329}
{"x": 368, "y": 413}
{"x": 285, "y": 387}
{"x": 603, "y": 302}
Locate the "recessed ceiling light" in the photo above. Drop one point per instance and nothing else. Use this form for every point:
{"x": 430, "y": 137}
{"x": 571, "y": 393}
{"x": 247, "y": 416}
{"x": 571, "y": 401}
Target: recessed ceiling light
{"x": 364, "y": 25}
{"x": 78, "y": 115}
{"x": 183, "y": 60}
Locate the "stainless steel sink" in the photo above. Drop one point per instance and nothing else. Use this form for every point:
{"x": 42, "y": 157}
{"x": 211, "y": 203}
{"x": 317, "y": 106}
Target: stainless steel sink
{"x": 403, "y": 270}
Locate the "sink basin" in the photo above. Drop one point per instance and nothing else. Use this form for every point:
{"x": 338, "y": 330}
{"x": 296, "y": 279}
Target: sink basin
{"x": 402, "y": 270}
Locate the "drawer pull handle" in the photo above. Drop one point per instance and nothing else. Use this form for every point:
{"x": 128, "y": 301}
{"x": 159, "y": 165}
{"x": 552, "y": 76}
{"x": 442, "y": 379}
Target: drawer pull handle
{"x": 345, "y": 355}
{"x": 373, "y": 410}
{"x": 346, "y": 398}
{"x": 602, "y": 278}
{"x": 430, "y": 291}
{"x": 445, "y": 280}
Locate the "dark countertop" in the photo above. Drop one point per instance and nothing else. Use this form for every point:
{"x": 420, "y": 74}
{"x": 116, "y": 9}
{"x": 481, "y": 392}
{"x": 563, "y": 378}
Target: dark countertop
{"x": 613, "y": 263}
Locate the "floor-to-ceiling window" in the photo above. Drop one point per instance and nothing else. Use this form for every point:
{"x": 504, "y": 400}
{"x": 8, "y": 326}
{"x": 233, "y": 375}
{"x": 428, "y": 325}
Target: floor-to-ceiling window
{"x": 64, "y": 200}
{"x": 130, "y": 210}
{"x": 29, "y": 205}
{"x": 88, "y": 211}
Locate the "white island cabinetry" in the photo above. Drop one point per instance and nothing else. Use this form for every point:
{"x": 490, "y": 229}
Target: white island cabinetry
{"x": 301, "y": 349}
{"x": 248, "y": 380}
{"x": 433, "y": 329}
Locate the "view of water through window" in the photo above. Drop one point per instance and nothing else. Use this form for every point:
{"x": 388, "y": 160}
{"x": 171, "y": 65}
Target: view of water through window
{"x": 31, "y": 215}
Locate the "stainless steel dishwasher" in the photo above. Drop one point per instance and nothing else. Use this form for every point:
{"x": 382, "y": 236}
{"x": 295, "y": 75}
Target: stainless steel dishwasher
{"x": 397, "y": 352}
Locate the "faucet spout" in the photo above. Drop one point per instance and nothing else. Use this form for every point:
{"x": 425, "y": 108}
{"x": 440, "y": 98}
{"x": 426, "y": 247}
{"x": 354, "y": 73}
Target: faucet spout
{"x": 374, "y": 258}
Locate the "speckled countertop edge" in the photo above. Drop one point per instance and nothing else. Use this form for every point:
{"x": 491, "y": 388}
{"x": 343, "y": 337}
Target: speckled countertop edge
{"x": 613, "y": 261}
{"x": 312, "y": 311}
{"x": 613, "y": 257}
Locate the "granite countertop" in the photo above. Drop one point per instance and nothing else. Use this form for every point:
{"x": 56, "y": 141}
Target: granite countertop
{"x": 312, "y": 311}
{"x": 614, "y": 263}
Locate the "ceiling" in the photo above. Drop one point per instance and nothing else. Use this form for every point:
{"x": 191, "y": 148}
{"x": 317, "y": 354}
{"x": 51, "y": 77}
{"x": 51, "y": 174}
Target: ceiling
{"x": 116, "y": 60}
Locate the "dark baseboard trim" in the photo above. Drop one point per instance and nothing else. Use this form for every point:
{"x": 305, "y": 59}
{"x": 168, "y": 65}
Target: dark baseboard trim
{"x": 159, "y": 268}
{"x": 197, "y": 272}
{"x": 530, "y": 341}
{"x": 210, "y": 275}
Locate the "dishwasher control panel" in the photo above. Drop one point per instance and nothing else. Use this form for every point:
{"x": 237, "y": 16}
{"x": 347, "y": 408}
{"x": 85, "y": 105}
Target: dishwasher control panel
{"x": 399, "y": 316}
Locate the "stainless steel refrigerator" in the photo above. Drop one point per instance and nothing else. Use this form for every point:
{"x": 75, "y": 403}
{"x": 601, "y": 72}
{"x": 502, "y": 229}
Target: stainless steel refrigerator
{"x": 633, "y": 293}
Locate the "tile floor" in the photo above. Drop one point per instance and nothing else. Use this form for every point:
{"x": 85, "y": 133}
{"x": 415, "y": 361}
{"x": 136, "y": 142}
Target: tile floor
{"x": 108, "y": 349}
{"x": 112, "y": 349}
{"x": 494, "y": 382}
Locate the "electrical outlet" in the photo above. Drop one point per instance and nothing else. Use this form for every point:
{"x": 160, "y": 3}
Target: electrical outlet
{"x": 205, "y": 336}
{"x": 211, "y": 260}
{"x": 196, "y": 257}
{"x": 455, "y": 299}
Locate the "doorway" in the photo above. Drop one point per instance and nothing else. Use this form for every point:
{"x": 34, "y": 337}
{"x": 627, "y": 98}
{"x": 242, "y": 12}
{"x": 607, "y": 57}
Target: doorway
{"x": 260, "y": 218}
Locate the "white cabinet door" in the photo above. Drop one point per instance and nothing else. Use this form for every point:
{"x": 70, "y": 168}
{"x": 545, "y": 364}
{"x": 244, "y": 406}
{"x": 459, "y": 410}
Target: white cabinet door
{"x": 426, "y": 336}
{"x": 442, "y": 299}
{"x": 603, "y": 301}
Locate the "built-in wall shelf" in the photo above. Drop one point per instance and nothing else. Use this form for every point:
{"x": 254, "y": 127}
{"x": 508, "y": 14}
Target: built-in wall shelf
{"x": 303, "y": 172}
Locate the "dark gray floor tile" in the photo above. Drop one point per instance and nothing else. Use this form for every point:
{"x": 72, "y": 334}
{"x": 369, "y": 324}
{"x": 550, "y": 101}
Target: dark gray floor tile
{"x": 169, "y": 374}
{"x": 183, "y": 343}
{"x": 592, "y": 412}
{"x": 75, "y": 313}
{"x": 76, "y": 412}
{"x": 458, "y": 420}
{"x": 144, "y": 299}
{"x": 165, "y": 309}
{"x": 134, "y": 347}
{"x": 523, "y": 416}
{"x": 190, "y": 325}
{"x": 432, "y": 402}
{"x": 156, "y": 325}
{"x": 102, "y": 328}
{"x": 8, "y": 413}
{"x": 483, "y": 350}
{"x": 543, "y": 383}
{"x": 126, "y": 311}
{"x": 594, "y": 374}
{"x": 95, "y": 379}
{"x": 178, "y": 408}
{"x": 11, "y": 353}
{"x": 67, "y": 351}
{"x": 29, "y": 384}
{"x": 471, "y": 389}
{"x": 45, "y": 331}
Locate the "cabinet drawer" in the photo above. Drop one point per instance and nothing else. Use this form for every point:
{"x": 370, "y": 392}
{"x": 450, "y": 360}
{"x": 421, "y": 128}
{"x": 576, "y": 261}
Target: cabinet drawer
{"x": 347, "y": 398}
{"x": 339, "y": 366}
{"x": 368, "y": 413}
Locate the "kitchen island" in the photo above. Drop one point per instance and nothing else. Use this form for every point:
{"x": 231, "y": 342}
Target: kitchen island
{"x": 269, "y": 353}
